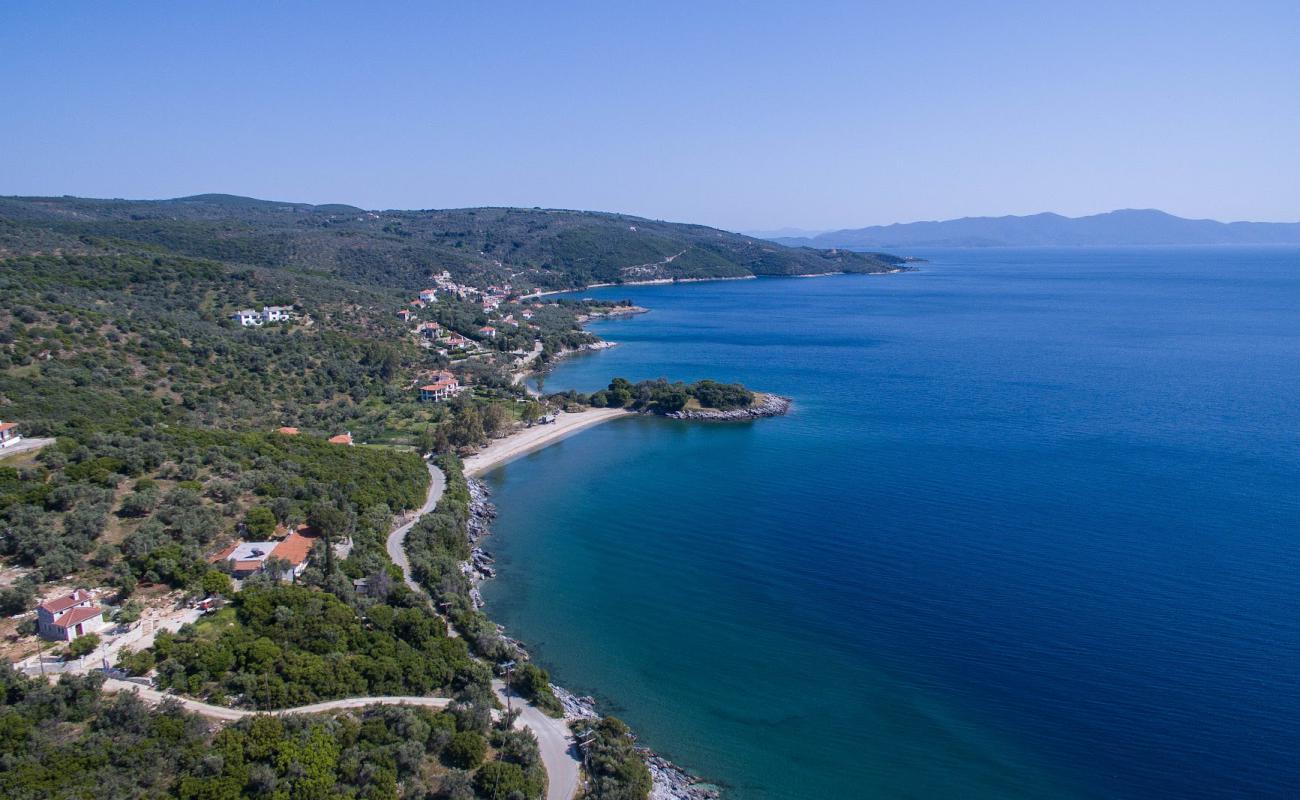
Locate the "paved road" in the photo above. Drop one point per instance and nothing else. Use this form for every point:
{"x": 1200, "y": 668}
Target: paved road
{"x": 223, "y": 714}
{"x": 396, "y": 543}
{"x": 559, "y": 751}
{"x": 24, "y": 445}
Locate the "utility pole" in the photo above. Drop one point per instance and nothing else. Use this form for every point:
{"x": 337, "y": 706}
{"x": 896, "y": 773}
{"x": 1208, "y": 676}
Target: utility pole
{"x": 508, "y": 667}
{"x": 584, "y": 740}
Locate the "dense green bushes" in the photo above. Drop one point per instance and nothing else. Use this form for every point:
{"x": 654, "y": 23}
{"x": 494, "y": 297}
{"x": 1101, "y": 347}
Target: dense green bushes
{"x": 532, "y": 682}
{"x": 662, "y": 397}
{"x": 284, "y": 645}
{"x": 53, "y": 514}
{"x": 68, "y": 742}
{"x": 615, "y": 769}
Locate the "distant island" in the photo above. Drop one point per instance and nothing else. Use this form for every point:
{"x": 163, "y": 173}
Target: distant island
{"x": 1127, "y": 227}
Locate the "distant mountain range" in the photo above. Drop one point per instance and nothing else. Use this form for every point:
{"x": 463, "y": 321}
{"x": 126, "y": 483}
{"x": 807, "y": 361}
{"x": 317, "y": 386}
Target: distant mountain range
{"x": 1115, "y": 228}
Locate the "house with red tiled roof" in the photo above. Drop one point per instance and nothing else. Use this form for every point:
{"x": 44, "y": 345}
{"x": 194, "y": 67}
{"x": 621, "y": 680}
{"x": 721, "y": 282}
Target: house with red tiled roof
{"x": 69, "y": 616}
{"x": 295, "y": 550}
{"x": 443, "y": 386}
{"x": 9, "y": 434}
{"x": 488, "y": 331}
{"x": 342, "y": 438}
{"x": 429, "y": 295}
{"x": 288, "y": 431}
{"x": 250, "y": 558}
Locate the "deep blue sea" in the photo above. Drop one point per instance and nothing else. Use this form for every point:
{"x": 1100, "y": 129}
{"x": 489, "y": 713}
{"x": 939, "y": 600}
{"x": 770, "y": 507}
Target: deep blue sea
{"x": 1031, "y": 530}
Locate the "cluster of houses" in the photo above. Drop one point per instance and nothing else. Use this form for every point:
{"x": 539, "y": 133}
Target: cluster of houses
{"x": 284, "y": 558}
{"x": 442, "y": 385}
{"x": 255, "y": 319}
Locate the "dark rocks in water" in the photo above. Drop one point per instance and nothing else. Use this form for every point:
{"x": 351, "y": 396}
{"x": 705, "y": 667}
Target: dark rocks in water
{"x": 671, "y": 782}
{"x": 769, "y": 405}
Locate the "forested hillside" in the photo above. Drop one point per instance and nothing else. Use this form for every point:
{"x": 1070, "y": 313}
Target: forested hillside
{"x": 183, "y": 417}
{"x": 541, "y": 248}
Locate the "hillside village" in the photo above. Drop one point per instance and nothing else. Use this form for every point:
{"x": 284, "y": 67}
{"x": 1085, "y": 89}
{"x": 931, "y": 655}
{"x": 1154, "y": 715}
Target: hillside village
{"x": 477, "y": 341}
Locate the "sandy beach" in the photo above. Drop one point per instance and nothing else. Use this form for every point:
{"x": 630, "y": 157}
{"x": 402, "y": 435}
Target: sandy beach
{"x": 526, "y": 440}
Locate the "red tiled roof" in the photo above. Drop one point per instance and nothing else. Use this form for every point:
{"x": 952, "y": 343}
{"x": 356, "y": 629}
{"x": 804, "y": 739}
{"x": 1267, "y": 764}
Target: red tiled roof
{"x": 4, "y": 426}
{"x": 60, "y": 604}
{"x": 342, "y": 438}
{"x": 295, "y": 548}
{"x": 77, "y": 615}
{"x": 445, "y": 383}
{"x": 288, "y": 431}
{"x": 224, "y": 554}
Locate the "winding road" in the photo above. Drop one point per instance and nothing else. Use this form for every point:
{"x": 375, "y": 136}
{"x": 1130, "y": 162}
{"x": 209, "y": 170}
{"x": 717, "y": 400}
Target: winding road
{"x": 224, "y": 714}
{"x": 558, "y": 749}
{"x": 396, "y": 544}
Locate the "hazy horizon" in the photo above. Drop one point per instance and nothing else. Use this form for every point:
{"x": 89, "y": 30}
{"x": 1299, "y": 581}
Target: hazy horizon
{"x": 840, "y": 117}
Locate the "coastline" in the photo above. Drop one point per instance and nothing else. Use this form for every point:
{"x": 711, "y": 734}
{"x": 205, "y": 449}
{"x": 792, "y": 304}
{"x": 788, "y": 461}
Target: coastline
{"x": 669, "y": 781}
{"x": 663, "y": 281}
{"x": 527, "y": 440}
{"x": 651, "y": 282}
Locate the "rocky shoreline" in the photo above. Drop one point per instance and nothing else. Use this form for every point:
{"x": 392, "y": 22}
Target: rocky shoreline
{"x": 767, "y": 405}
{"x": 670, "y": 782}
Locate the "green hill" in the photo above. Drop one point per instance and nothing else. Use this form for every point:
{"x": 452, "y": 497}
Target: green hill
{"x": 542, "y": 248}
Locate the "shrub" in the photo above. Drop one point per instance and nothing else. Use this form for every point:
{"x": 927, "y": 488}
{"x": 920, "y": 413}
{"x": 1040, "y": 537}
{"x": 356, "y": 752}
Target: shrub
{"x": 498, "y": 780}
{"x": 465, "y": 750}
{"x": 83, "y": 645}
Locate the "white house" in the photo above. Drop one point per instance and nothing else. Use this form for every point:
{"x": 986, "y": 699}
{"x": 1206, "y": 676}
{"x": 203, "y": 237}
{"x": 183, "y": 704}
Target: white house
{"x": 277, "y": 313}
{"x": 251, "y": 319}
{"x": 9, "y": 434}
{"x": 429, "y": 295}
{"x": 443, "y": 386}
{"x": 248, "y": 318}
{"x": 67, "y": 617}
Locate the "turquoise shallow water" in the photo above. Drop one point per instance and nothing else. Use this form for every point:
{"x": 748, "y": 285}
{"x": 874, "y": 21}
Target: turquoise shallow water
{"x": 1031, "y": 531}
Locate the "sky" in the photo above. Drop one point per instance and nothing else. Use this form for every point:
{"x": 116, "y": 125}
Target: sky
{"x": 747, "y": 116}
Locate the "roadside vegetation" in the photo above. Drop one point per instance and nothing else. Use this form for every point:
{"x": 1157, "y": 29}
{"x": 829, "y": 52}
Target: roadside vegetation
{"x": 614, "y": 768}
{"x": 70, "y": 741}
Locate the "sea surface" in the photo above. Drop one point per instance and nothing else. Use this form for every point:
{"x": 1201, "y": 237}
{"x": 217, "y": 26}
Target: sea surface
{"x": 1031, "y": 530}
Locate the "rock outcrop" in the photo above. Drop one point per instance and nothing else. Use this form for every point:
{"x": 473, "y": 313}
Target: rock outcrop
{"x": 767, "y": 405}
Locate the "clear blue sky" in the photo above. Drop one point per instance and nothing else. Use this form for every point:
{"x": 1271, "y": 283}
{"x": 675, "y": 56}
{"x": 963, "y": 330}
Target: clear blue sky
{"x": 741, "y": 115}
